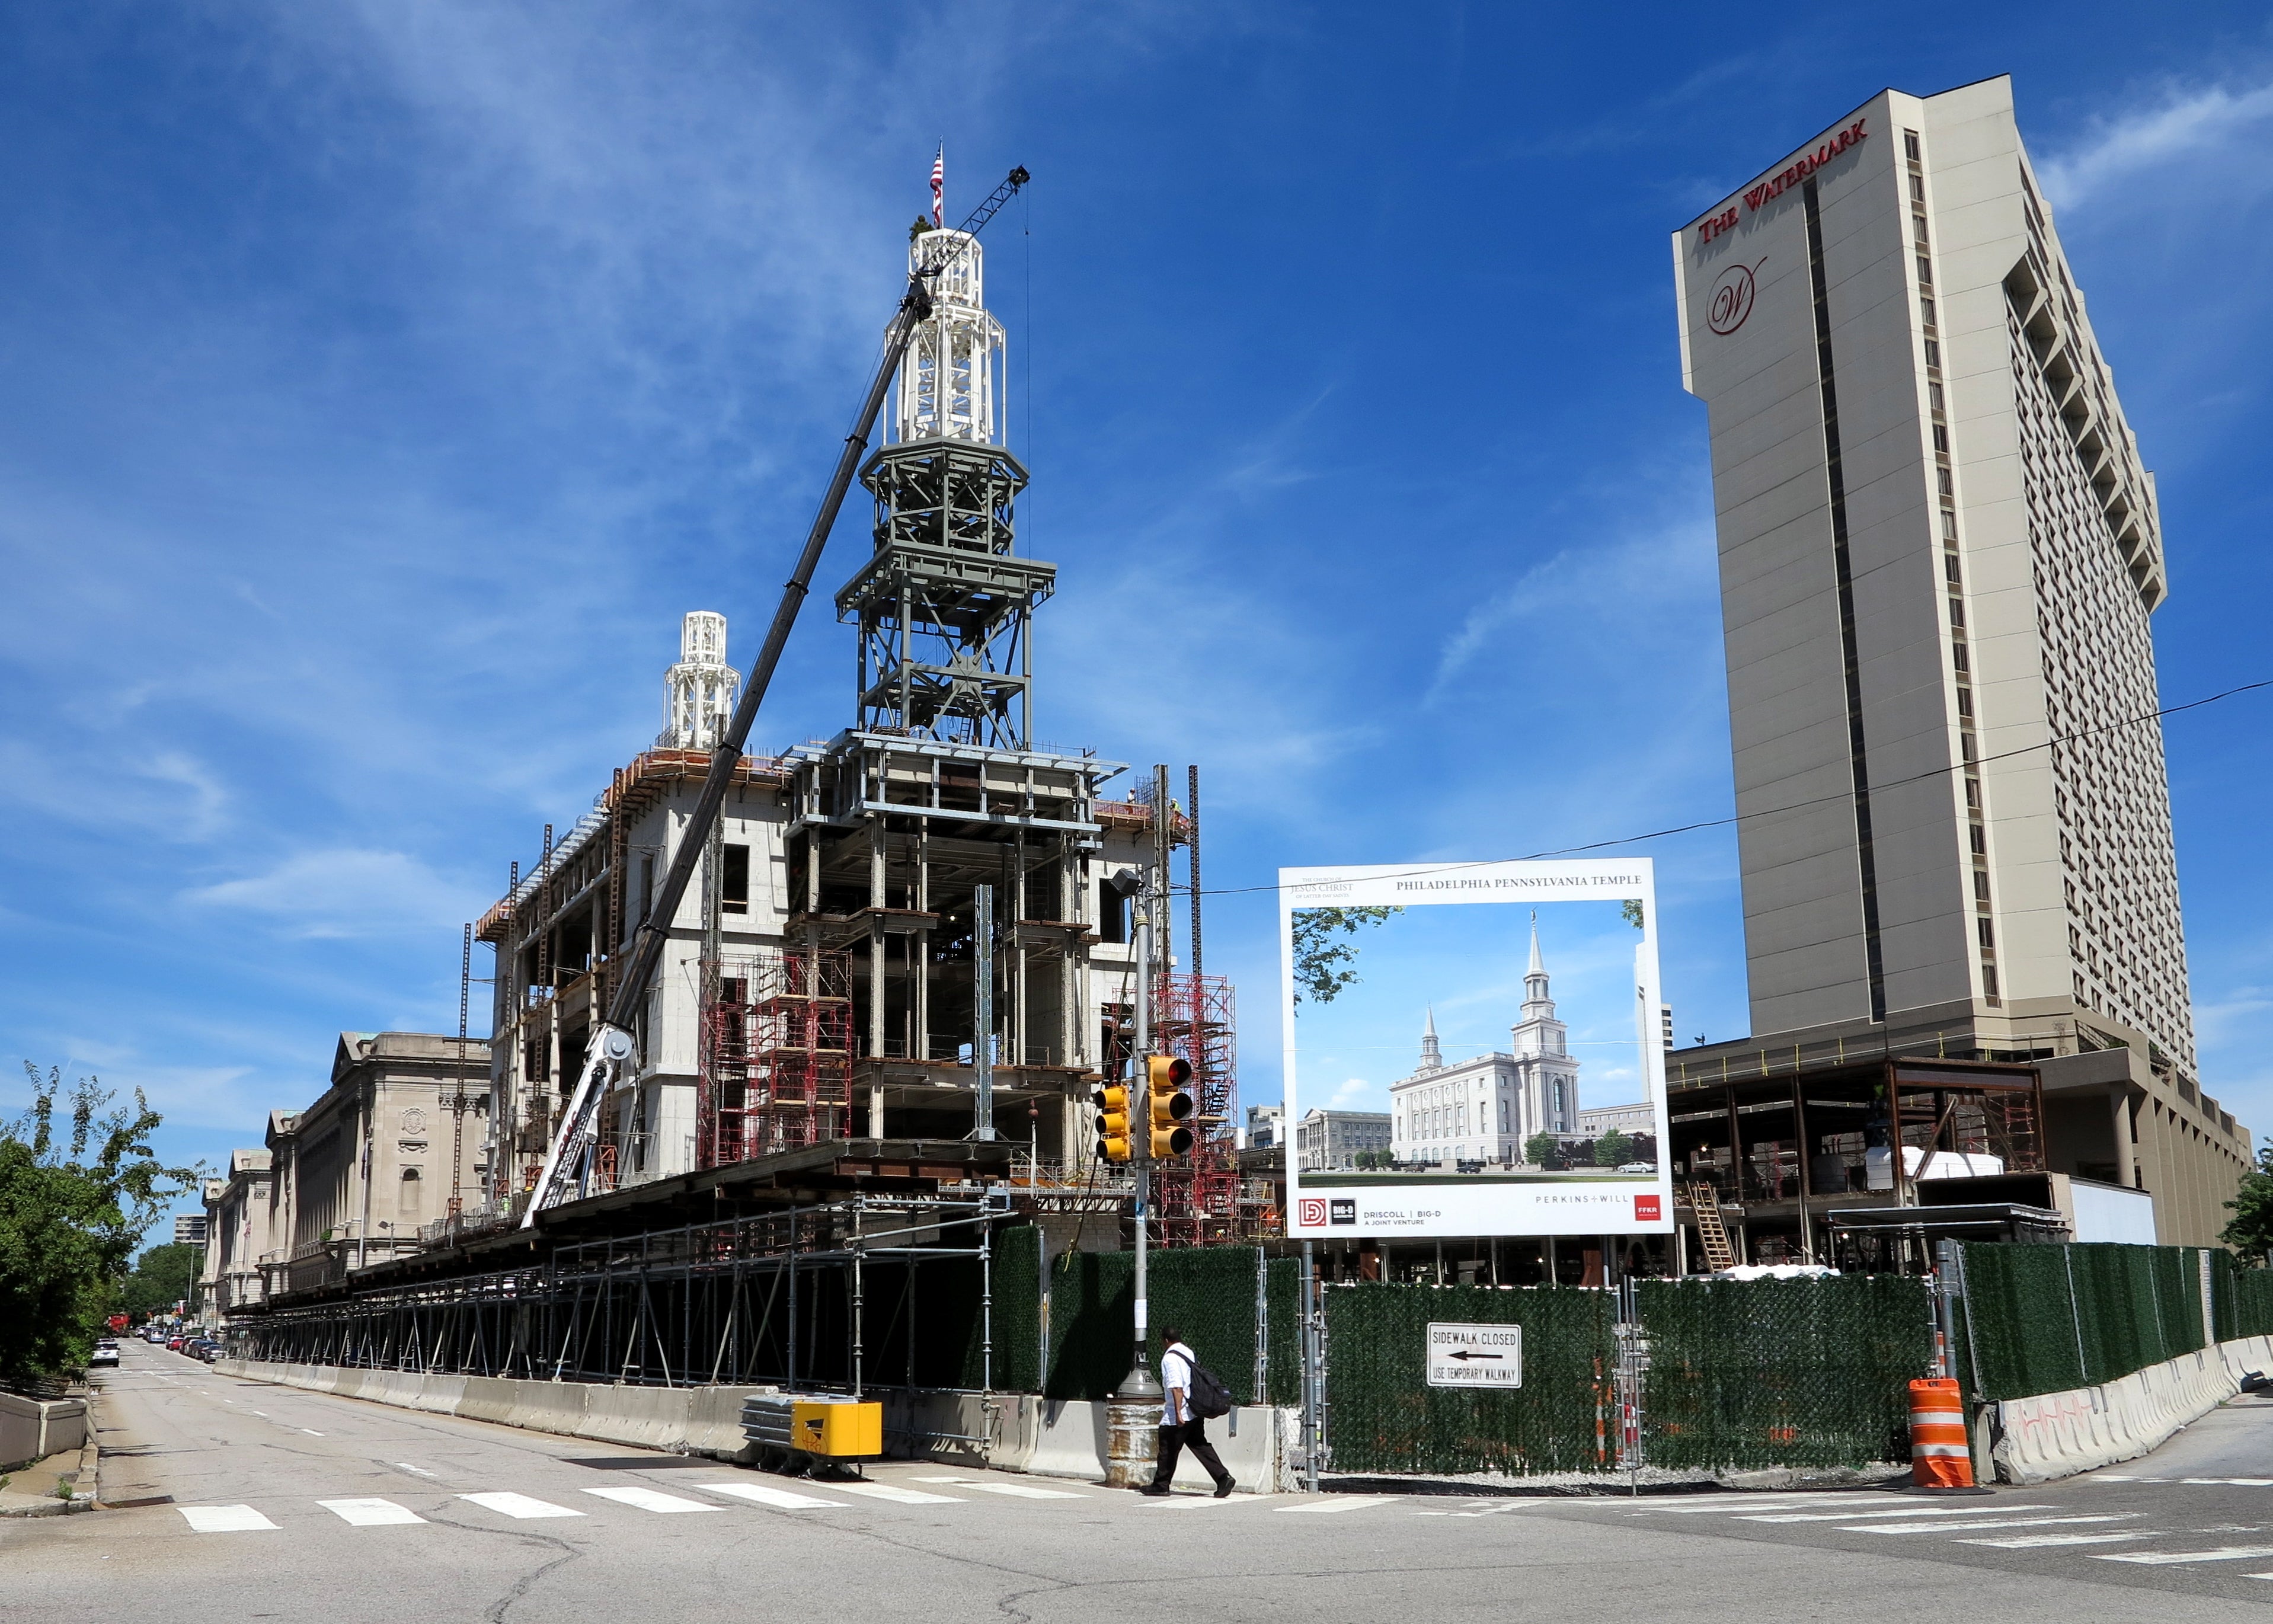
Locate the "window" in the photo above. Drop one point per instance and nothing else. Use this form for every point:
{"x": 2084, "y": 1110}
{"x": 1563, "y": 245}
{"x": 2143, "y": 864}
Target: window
{"x": 1987, "y": 930}
{"x": 734, "y": 880}
{"x": 1933, "y": 396}
{"x": 1112, "y": 914}
{"x": 1949, "y": 568}
{"x": 1988, "y": 980}
{"x": 1973, "y": 793}
{"x": 1918, "y": 187}
{"x": 1932, "y": 353}
{"x": 1949, "y": 524}
{"x": 1910, "y": 146}
{"x": 1925, "y": 275}
{"x": 1941, "y": 478}
{"x": 1981, "y": 886}
{"x": 1964, "y": 700}
{"x": 1980, "y": 837}
{"x": 1956, "y": 612}
{"x": 1925, "y": 308}
{"x": 1942, "y": 437}
{"x": 1959, "y": 660}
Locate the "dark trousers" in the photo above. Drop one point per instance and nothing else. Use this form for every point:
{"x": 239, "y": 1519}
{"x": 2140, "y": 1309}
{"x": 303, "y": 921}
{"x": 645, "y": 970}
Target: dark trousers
{"x": 1175, "y": 1441}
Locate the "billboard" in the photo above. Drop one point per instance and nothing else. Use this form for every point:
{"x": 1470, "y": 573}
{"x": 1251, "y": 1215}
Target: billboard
{"x": 1473, "y": 1049}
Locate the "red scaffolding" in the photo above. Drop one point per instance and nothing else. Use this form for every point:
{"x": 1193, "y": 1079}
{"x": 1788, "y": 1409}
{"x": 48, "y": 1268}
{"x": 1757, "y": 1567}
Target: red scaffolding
{"x": 1197, "y": 1197}
{"x": 777, "y": 1060}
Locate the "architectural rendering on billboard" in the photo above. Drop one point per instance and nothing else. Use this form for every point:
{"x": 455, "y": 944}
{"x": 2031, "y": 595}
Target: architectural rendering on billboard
{"x": 1474, "y": 1048}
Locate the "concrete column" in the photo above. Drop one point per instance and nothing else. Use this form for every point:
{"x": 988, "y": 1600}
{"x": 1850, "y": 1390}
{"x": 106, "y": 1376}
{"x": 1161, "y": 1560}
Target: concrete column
{"x": 2126, "y": 1149}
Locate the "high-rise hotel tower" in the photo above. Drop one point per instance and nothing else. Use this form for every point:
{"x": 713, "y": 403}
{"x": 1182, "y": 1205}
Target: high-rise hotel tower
{"x": 1939, "y": 551}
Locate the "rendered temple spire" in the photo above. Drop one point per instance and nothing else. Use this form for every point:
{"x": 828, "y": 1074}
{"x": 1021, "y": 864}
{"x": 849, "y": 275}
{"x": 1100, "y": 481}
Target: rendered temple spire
{"x": 1432, "y": 1057}
{"x": 943, "y": 605}
{"x": 699, "y": 691}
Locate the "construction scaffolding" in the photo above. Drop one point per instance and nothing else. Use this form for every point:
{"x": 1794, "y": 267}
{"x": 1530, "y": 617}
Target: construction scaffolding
{"x": 776, "y": 1059}
{"x": 1197, "y": 1196}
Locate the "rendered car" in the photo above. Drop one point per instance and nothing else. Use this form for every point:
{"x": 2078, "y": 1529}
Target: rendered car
{"x": 105, "y": 1353}
{"x": 1638, "y": 1166}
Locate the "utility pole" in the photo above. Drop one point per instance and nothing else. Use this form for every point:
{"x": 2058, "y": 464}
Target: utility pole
{"x": 982, "y": 1032}
{"x": 1132, "y": 1415}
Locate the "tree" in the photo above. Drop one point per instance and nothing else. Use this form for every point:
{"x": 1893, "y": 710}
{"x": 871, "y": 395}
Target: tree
{"x": 162, "y": 1276}
{"x": 70, "y": 1218}
{"x": 1613, "y": 1149}
{"x": 1320, "y": 960}
{"x": 2251, "y": 1232}
{"x": 1542, "y": 1148}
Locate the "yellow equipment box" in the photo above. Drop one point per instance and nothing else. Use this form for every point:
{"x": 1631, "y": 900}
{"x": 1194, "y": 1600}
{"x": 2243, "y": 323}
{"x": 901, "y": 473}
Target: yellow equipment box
{"x": 839, "y": 1429}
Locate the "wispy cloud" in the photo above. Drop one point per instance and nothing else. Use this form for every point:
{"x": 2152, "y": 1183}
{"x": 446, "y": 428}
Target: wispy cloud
{"x": 2185, "y": 124}
{"x": 343, "y": 893}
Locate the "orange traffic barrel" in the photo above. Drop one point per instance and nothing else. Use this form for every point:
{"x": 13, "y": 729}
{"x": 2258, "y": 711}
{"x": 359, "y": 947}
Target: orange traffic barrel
{"x": 1940, "y": 1455}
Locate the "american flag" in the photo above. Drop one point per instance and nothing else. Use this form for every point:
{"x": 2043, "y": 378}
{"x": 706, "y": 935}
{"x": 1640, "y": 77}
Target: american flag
{"x": 938, "y": 184}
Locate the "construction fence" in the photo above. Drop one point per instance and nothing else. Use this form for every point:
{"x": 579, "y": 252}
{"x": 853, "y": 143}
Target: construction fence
{"x": 2046, "y": 1318}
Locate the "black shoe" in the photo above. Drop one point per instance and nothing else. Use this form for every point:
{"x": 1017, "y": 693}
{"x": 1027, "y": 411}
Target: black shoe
{"x": 1223, "y": 1489}
{"x": 1155, "y": 1490}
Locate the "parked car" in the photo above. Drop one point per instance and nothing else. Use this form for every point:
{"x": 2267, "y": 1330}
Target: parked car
{"x": 174, "y": 1344}
{"x": 106, "y": 1352}
{"x": 211, "y": 1351}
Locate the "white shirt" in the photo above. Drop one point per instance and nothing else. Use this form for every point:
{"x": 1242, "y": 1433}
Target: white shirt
{"x": 1176, "y": 1379}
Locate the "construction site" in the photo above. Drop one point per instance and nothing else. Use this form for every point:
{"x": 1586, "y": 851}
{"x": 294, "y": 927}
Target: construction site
{"x": 867, "y": 1030}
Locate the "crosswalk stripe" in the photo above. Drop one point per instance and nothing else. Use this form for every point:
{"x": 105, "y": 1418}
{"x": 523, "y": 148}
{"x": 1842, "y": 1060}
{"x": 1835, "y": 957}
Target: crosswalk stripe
{"x": 1326, "y": 1508}
{"x": 370, "y": 1513}
{"x": 1019, "y": 1491}
{"x": 1914, "y": 1511}
{"x": 1201, "y": 1502}
{"x": 906, "y": 1497}
{"x": 1724, "y": 1505}
{"x": 2030, "y": 1541}
{"x": 1944, "y": 1528}
{"x": 764, "y": 1496}
{"x": 519, "y": 1505}
{"x": 224, "y": 1519}
{"x": 2164, "y": 1559}
{"x": 650, "y": 1500}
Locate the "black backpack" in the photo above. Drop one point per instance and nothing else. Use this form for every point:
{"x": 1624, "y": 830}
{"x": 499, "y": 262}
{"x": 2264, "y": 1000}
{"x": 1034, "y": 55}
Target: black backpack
{"x": 1210, "y": 1398}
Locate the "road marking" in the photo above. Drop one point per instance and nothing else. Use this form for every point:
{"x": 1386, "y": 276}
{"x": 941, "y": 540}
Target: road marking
{"x": 2163, "y": 1559}
{"x": 421, "y": 1470}
{"x": 1919, "y": 1511}
{"x": 885, "y": 1490}
{"x": 519, "y": 1505}
{"x": 311, "y": 1432}
{"x": 1356, "y": 1502}
{"x": 2238, "y": 1483}
{"x": 764, "y": 1496}
{"x": 224, "y": 1519}
{"x": 1017, "y": 1489}
{"x": 1200, "y": 1502}
{"x": 1943, "y": 1528}
{"x": 1727, "y": 1503}
{"x": 370, "y": 1513}
{"x": 650, "y": 1500}
{"x": 2033, "y": 1540}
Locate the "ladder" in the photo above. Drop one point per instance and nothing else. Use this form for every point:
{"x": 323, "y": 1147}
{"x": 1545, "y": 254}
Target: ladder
{"x": 1705, "y": 1201}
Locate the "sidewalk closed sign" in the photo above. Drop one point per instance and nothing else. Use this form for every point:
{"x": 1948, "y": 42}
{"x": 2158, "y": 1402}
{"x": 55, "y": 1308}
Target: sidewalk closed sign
{"x": 1476, "y": 1356}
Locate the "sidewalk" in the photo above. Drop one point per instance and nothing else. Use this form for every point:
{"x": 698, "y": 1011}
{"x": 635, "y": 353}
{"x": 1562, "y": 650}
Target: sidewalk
{"x": 30, "y": 1491}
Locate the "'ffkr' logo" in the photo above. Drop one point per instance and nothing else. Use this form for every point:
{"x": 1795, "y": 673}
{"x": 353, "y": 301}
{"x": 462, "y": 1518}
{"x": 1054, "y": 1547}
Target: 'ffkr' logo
{"x": 1310, "y": 1212}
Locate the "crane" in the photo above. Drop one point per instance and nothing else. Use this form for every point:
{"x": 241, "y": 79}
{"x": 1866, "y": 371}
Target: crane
{"x": 566, "y": 1162}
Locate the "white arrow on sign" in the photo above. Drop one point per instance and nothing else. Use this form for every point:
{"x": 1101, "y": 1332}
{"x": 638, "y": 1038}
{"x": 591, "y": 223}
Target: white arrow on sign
{"x": 1476, "y": 1356}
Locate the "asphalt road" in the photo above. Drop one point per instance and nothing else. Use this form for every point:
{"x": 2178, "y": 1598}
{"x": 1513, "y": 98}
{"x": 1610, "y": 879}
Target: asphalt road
{"x": 280, "y": 1504}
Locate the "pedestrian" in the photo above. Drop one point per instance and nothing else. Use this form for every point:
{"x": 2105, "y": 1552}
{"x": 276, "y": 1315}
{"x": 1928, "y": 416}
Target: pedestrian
{"x": 1182, "y": 1426}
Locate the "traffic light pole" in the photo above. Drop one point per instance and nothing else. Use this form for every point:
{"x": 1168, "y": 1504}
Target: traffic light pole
{"x": 1141, "y": 1383}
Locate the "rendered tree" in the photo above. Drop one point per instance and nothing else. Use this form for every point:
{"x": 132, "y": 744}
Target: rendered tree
{"x": 1613, "y": 1149}
{"x": 1321, "y": 960}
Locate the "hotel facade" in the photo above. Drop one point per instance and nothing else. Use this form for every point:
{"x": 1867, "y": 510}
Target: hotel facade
{"x": 1939, "y": 554}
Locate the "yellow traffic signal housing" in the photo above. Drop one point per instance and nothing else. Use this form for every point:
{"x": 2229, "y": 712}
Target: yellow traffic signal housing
{"x": 1113, "y": 1124}
{"x": 1168, "y": 1104}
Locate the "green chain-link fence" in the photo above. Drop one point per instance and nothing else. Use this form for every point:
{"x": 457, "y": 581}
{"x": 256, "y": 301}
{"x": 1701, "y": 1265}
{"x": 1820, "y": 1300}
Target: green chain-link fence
{"x": 2244, "y": 1297}
{"x": 1382, "y": 1415}
{"x": 1206, "y": 1292}
{"x": 1782, "y": 1373}
{"x": 2044, "y": 1319}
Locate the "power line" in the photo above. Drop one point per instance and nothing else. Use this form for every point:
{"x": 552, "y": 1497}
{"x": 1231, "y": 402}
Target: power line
{"x": 1842, "y": 798}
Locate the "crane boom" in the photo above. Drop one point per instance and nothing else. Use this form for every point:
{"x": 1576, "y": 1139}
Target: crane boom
{"x": 565, "y": 1161}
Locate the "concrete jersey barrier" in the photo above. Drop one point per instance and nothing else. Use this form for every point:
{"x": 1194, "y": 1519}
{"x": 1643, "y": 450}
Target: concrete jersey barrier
{"x": 2055, "y": 1435}
{"x": 1014, "y": 1432}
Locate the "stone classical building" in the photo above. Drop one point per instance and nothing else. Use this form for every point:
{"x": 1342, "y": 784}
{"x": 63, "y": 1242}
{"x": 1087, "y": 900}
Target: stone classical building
{"x": 1941, "y": 548}
{"x": 237, "y": 1213}
{"x": 1331, "y": 1142}
{"x": 399, "y": 1134}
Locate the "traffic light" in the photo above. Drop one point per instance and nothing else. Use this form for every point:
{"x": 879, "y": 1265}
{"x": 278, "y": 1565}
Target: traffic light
{"x": 1168, "y": 1103}
{"x": 1113, "y": 1122}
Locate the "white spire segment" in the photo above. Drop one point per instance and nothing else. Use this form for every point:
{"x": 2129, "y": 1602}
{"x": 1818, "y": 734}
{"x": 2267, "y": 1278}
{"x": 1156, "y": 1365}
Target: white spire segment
{"x": 1432, "y": 1057}
{"x": 951, "y": 381}
{"x": 699, "y": 692}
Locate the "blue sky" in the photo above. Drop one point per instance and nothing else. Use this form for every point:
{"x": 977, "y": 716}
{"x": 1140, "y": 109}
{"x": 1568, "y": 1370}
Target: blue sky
{"x": 384, "y": 380}
{"x": 1466, "y": 962}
